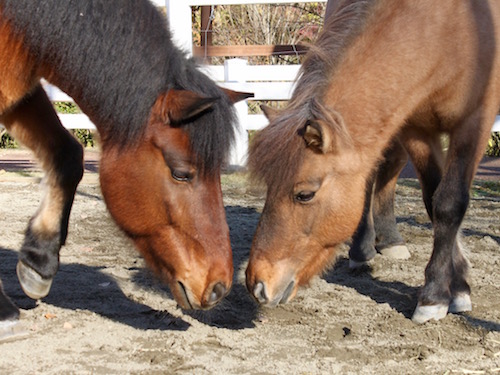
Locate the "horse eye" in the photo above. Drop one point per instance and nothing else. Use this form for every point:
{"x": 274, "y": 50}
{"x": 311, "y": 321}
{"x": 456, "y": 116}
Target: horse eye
{"x": 182, "y": 176}
{"x": 304, "y": 196}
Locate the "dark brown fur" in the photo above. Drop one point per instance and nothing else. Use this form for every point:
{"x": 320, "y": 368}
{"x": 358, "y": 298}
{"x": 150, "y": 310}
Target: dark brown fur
{"x": 166, "y": 131}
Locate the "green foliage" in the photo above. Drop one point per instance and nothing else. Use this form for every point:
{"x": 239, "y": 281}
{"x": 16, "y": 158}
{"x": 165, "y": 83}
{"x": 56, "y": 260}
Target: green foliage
{"x": 6, "y": 141}
{"x": 263, "y": 24}
{"x": 85, "y": 136}
{"x": 66, "y": 107}
{"x": 493, "y": 148}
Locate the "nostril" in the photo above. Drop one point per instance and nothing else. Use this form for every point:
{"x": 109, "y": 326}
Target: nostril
{"x": 288, "y": 292}
{"x": 259, "y": 292}
{"x": 218, "y": 292}
{"x": 184, "y": 302}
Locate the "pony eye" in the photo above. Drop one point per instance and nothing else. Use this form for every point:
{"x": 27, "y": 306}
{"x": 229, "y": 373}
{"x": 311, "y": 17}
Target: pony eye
{"x": 304, "y": 196}
{"x": 183, "y": 176}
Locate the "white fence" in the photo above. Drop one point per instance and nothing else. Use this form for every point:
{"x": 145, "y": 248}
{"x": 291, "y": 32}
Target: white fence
{"x": 266, "y": 82}
{"x": 271, "y": 82}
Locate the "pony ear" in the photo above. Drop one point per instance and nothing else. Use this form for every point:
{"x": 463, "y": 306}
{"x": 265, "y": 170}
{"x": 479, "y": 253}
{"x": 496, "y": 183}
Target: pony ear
{"x": 236, "y": 96}
{"x": 318, "y": 137}
{"x": 181, "y": 105}
{"x": 270, "y": 112}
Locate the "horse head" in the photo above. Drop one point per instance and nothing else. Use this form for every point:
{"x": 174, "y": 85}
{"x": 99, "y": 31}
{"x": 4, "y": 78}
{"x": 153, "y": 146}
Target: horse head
{"x": 173, "y": 209}
{"x": 305, "y": 215}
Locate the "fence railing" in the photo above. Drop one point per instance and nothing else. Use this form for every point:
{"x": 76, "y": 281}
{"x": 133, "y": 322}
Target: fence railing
{"x": 267, "y": 82}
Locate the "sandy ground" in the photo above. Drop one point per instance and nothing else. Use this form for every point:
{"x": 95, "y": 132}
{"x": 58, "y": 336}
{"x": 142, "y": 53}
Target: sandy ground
{"x": 106, "y": 313}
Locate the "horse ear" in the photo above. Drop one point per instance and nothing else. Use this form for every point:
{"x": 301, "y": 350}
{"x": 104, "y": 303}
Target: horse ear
{"x": 270, "y": 112}
{"x": 318, "y": 137}
{"x": 236, "y": 96}
{"x": 181, "y": 105}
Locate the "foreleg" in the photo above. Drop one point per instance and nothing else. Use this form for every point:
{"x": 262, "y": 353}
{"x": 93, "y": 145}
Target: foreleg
{"x": 34, "y": 122}
{"x": 447, "y": 198}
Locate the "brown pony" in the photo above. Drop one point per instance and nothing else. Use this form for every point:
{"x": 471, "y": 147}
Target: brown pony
{"x": 165, "y": 129}
{"x": 379, "y": 69}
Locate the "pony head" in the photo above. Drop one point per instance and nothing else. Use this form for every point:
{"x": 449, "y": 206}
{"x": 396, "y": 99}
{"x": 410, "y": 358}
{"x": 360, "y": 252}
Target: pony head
{"x": 172, "y": 206}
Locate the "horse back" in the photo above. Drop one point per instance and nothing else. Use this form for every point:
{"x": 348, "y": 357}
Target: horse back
{"x": 438, "y": 60}
{"x": 462, "y": 61}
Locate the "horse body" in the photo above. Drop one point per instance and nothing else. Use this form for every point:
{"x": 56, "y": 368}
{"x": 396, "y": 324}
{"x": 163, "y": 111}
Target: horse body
{"x": 378, "y": 70}
{"x": 165, "y": 130}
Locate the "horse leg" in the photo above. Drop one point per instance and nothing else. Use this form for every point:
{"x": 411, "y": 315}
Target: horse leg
{"x": 388, "y": 239}
{"x": 10, "y": 327}
{"x": 34, "y": 122}
{"x": 377, "y": 229}
{"x": 446, "y": 198}
{"x": 363, "y": 241}
{"x": 426, "y": 153}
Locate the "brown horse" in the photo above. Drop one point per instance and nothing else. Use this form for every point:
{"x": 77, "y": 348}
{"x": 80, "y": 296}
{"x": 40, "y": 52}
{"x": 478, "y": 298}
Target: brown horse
{"x": 379, "y": 69}
{"x": 165, "y": 129}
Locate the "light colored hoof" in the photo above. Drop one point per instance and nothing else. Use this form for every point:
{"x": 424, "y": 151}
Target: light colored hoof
{"x": 423, "y": 314}
{"x": 396, "y": 252}
{"x": 12, "y": 330}
{"x": 31, "y": 282}
{"x": 460, "y": 303}
{"x": 354, "y": 265}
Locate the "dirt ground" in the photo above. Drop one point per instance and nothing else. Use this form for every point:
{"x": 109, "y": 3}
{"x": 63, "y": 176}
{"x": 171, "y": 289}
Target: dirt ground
{"x": 106, "y": 313}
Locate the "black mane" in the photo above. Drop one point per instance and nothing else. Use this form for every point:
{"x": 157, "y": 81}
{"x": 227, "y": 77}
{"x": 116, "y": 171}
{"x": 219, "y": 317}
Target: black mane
{"x": 115, "y": 58}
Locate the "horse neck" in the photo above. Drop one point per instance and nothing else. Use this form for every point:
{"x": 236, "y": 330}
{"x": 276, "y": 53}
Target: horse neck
{"x": 113, "y": 61}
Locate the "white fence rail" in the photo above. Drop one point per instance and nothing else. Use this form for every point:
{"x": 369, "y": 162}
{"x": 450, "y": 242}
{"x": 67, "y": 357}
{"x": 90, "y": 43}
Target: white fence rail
{"x": 269, "y": 82}
{"x": 266, "y": 82}
{"x": 69, "y": 121}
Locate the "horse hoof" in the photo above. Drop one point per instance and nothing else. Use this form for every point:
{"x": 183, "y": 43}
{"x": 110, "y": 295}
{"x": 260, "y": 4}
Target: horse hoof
{"x": 423, "y": 314}
{"x": 12, "y": 330}
{"x": 460, "y": 303}
{"x": 31, "y": 282}
{"x": 396, "y": 252}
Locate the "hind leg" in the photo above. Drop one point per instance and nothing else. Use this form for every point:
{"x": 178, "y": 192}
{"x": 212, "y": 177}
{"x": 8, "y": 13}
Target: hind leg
{"x": 377, "y": 231}
{"x": 34, "y": 122}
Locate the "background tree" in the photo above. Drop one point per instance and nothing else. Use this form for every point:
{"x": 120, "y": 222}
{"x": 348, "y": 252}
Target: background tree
{"x": 265, "y": 24}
